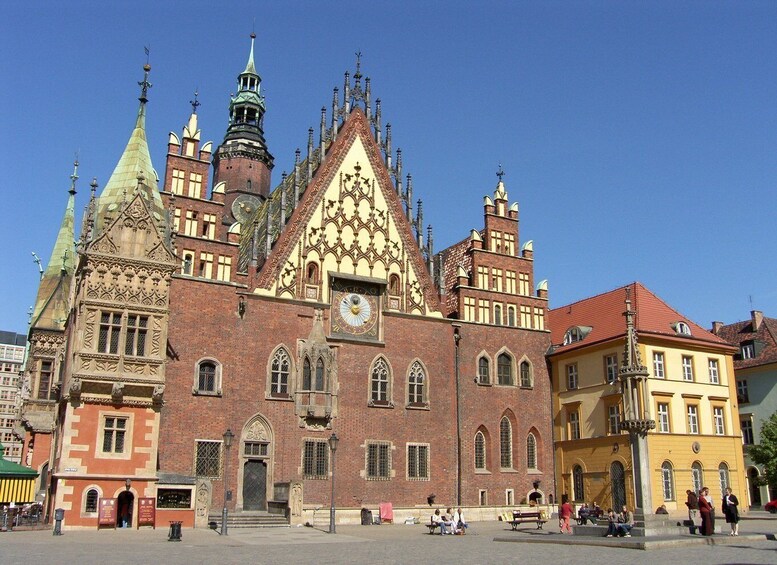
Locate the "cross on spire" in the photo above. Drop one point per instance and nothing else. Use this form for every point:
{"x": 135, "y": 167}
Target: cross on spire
{"x": 195, "y": 102}
{"x": 500, "y": 172}
{"x": 144, "y": 84}
{"x": 74, "y": 176}
{"x": 358, "y": 73}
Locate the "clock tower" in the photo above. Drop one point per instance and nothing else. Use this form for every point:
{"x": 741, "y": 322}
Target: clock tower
{"x": 242, "y": 162}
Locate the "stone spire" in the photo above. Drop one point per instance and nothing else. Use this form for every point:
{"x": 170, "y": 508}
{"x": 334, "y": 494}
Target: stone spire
{"x": 51, "y": 304}
{"x": 134, "y": 164}
{"x": 636, "y": 420}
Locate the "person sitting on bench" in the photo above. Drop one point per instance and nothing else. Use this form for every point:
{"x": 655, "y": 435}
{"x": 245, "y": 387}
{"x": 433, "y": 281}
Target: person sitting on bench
{"x": 440, "y": 521}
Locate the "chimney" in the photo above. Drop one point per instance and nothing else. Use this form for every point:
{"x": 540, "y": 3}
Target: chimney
{"x": 757, "y": 317}
{"x": 716, "y": 327}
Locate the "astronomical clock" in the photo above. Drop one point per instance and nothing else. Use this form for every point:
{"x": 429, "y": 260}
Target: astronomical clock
{"x": 355, "y": 309}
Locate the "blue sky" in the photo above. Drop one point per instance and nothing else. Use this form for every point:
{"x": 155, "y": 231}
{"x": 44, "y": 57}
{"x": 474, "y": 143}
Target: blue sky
{"x": 639, "y": 138}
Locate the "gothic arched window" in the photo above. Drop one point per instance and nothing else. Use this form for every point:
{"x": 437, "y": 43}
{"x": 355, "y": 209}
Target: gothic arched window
{"x": 279, "y": 373}
{"x": 526, "y": 375}
{"x": 505, "y": 444}
{"x": 504, "y": 367}
{"x": 320, "y": 374}
{"x": 416, "y": 385}
{"x": 380, "y": 382}
{"x": 307, "y": 379}
{"x": 531, "y": 451}
{"x": 480, "y": 451}
{"x": 484, "y": 371}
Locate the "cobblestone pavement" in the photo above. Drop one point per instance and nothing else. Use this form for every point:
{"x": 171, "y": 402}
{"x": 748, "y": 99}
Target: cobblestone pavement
{"x": 375, "y": 544}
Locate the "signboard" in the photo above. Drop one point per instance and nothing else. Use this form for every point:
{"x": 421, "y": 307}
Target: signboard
{"x": 106, "y": 515}
{"x": 146, "y": 512}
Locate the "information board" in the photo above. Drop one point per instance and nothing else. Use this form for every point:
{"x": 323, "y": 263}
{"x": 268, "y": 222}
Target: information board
{"x": 107, "y": 512}
{"x": 146, "y": 512}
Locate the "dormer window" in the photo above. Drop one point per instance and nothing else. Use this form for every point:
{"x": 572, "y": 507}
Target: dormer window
{"x": 682, "y": 328}
{"x": 748, "y": 350}
{"x": 576, "y": 333}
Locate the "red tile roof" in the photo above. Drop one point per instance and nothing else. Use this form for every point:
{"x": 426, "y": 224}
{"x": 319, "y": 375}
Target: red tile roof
{"x": 455, "y": 256}
{"x": 604, "y": 314}
{"x": 741, "y": 332}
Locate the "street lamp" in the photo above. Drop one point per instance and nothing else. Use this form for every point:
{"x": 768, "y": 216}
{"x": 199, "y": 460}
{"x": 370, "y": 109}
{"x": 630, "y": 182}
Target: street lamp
{"x": 333, "y": 439}
{"x": 228, "y": 435}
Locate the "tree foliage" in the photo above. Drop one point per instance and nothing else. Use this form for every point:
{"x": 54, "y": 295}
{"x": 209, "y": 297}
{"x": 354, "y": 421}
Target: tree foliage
{"x": 764, "y": 452}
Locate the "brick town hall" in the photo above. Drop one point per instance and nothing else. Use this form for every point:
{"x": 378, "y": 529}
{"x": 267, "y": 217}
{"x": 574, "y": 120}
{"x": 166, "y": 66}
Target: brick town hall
{"x": 285, "y": 314}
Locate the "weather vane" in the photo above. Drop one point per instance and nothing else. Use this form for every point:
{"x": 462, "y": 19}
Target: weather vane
{"x": 500, "y": 172}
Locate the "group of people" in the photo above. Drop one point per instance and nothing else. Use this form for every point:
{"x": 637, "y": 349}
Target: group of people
{"x": 587, "y": 514}
{"x": 451, "y": 522}
{"x": 619, "y": 524}
{"x": 702, "y": 505}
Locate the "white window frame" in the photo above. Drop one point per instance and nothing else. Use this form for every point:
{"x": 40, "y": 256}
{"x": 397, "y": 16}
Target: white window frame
{"x": 663, "y": 418}
{"x": 692, "y": 411}
{"x": 659, "y": 367}
{"x": 714, "y": 371}
{"x": 719, "y": 420}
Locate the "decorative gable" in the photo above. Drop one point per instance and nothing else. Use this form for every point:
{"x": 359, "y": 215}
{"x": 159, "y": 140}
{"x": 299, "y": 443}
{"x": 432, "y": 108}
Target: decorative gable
{"x": 350, "y": 223}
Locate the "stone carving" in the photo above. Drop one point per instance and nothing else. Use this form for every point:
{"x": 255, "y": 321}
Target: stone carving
{"x": 156, "y": 396}
{"x": 295, "y": 499}
{"x": 117, "y": 392}
{"x": 256, "y": 432}
{"x": 75, "y": 389}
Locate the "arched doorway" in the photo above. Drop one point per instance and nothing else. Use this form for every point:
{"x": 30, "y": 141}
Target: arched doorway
{"x": 255, "y": 484}
{"x": 126, "y": 500}
{"x": 755, "y": 489}
{"x": 618, "y": 484}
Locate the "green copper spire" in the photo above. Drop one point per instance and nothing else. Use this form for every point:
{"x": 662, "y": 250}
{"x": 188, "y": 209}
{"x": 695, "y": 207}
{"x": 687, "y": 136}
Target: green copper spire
{"x": 51, "y": 306}
{"x": 134, "y": 172}
{"x": 250, "y": 68}
{"x": 246, "y": 109}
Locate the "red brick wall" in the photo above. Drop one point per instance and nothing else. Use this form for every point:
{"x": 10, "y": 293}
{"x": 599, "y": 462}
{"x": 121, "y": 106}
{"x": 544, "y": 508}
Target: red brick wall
{"x": 204, "y": 323}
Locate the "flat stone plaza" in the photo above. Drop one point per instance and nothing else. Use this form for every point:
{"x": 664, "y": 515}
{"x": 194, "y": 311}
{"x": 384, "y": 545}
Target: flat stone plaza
{"x": 487, "y": 542}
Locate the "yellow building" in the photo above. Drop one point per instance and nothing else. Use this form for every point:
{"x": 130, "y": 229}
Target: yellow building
{"x": 633, "y": 379}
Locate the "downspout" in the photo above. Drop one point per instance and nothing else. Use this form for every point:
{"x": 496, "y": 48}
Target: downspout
{"x": 456, "y": 340}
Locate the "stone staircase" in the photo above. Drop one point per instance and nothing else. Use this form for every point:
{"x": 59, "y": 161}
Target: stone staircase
{"x": 249, "y": 520}
{"x": 644, "y": 526}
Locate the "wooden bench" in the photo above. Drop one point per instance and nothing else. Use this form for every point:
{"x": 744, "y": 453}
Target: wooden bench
{"x": 432, "y": 527}
{"x": 520, "y": 517}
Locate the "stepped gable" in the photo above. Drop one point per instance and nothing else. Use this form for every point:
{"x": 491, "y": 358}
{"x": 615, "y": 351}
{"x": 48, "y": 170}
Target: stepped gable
{"x": 604, "y": 314}
{"x": 765, "y": 333}
{"x": 356, "y": 127}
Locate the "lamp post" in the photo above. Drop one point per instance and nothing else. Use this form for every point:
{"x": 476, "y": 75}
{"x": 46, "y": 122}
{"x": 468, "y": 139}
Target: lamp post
{"x": 228, "y": 435}
{"x": 333, "y": 439}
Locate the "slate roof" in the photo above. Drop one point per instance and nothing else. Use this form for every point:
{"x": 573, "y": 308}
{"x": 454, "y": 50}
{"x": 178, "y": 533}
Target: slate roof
{"x": 741, "y": 332}
{"x": 604, "y": 314}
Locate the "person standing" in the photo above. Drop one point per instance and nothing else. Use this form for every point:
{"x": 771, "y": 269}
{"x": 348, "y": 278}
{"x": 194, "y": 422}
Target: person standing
{"x": 705, "y": 509}
{"x": 731, "y": 511}
{"x": 565, "y": 513}
{"x": 692, "y": 502}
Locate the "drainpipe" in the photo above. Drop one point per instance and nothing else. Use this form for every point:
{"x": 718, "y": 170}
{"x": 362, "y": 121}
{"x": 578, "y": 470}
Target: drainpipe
{"x": 456, "y": 340}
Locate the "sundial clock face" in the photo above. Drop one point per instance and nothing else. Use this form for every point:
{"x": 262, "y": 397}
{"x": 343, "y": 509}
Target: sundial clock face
{"x": 244, "y": 206}
{"x": 355, "y": 309}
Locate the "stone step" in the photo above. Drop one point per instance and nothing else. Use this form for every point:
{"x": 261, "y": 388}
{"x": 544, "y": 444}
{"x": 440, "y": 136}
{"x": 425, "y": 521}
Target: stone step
{"x": 250, "y": 520}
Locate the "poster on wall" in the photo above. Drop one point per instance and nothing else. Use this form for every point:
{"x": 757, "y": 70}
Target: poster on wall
{"x": 107, "y": 512}
{"x": 147, "y": 512}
